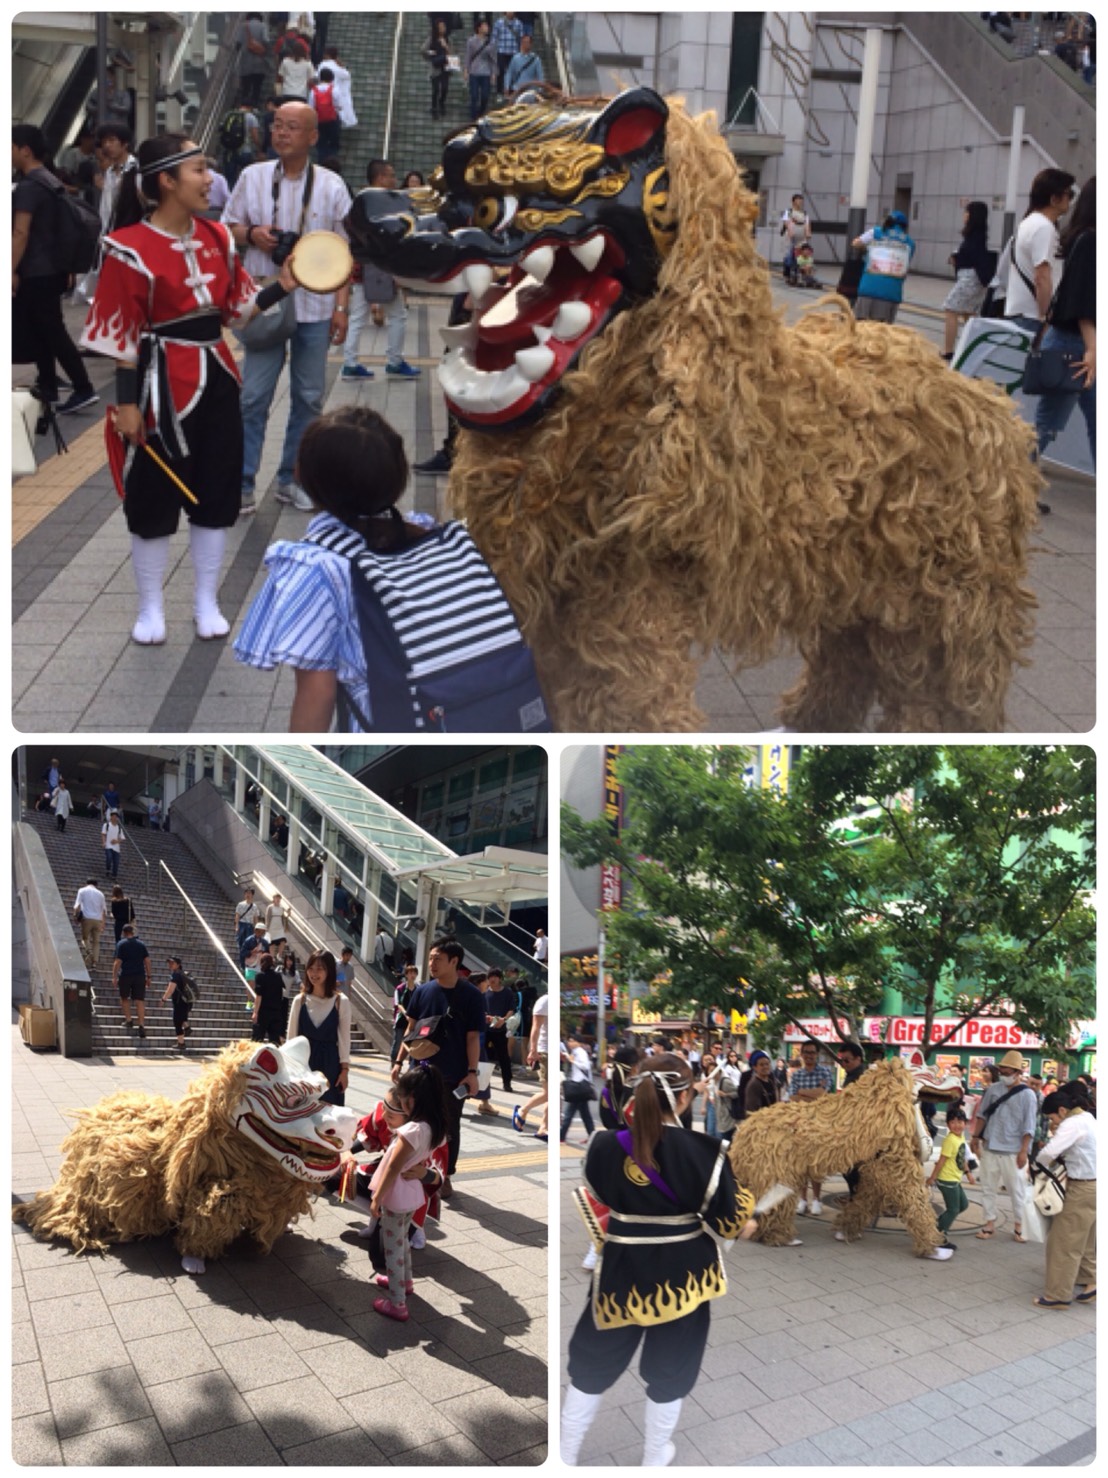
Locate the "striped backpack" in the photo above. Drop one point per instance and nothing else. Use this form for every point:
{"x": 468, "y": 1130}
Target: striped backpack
{"x": 443, "y": 649}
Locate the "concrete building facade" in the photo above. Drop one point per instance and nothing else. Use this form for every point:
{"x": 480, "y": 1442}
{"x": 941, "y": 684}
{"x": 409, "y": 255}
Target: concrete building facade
{"x": 786, "y": 86}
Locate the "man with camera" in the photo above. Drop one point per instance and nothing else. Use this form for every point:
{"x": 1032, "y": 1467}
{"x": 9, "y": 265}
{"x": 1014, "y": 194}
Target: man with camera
{"x": 272, "y": 206}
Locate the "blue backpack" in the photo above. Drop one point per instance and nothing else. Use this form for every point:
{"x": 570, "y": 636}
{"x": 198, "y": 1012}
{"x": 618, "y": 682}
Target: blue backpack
{"x": 442, "y": 645}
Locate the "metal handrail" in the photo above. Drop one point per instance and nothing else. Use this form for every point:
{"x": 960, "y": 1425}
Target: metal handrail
{"x": 553, "y": 39}
{"x": 392, "y": 84}
{"x": 216, "y": 942}
{"x": 126, "y": 835}
{"x": 224, "y": 75}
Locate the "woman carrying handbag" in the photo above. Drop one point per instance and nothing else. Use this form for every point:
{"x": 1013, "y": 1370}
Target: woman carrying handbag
{"x": 577, "y": 1089}
{"x": 1071, "y": 1239}
{"x": 1071, "y": 330}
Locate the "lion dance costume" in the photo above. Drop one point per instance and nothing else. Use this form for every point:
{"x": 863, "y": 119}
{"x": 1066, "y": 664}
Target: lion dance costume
{"x": 240, "y": 1154}
{"x": 874, "y": 1124}
{"x": 654, "y": 465}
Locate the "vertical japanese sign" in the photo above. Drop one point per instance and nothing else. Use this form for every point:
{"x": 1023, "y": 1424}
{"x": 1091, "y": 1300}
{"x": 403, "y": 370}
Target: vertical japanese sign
{"x": 611, "y": 880}
{"x": 775, "y": 767}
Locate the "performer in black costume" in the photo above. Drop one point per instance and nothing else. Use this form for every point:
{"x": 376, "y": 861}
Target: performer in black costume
{"x": 658, "y": 1268}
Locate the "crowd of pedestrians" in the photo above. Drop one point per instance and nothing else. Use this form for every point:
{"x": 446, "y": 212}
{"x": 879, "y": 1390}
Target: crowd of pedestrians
{"x": 1001, "y": 1140}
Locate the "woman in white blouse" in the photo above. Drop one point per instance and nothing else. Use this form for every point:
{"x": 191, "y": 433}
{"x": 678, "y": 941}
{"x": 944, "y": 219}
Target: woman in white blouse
{"x": 322, "y": 1014}
{"x": 1071, "y": 1238}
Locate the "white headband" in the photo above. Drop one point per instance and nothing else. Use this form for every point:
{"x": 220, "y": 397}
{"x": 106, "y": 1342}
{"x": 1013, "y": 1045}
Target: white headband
{"x": 170, "y": 162}
{"x": 661, "y": 1080}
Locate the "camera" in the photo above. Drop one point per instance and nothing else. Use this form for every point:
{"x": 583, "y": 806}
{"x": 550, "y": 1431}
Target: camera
{"x": 286, "y": 240}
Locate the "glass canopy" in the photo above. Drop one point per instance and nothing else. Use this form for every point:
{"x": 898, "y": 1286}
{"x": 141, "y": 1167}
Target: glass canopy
{"x": 397, "y": 843}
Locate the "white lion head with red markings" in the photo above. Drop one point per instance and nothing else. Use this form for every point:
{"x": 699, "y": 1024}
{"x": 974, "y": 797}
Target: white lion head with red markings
{"x": 283, "y": 1113}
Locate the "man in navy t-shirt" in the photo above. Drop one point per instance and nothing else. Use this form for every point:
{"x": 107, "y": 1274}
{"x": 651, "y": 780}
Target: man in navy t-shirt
{"x": 448, "y": 994}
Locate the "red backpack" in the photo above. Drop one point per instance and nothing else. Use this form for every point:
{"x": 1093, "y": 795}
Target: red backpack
{"x": 323, "y": 101}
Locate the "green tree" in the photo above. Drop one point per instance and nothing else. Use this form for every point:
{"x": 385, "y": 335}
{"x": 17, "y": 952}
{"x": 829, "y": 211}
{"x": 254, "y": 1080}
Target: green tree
{"x": 958, "y": 875}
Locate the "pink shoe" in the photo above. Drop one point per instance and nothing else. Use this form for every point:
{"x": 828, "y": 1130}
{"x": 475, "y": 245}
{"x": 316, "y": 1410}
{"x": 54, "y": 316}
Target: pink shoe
{"x": 383, "y": 1282}
{"x": 391, "y": 1311}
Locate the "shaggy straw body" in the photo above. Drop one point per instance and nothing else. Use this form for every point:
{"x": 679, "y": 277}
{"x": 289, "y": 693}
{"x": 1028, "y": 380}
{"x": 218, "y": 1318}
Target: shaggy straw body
{"x": 710, "y": 478}
{"x": 141, "y": 1166}
{"x": 870, "y": 1124}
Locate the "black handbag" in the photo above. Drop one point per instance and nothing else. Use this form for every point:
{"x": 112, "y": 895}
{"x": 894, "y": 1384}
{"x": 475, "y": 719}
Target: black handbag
{"x": 1052, "y": 371}
{"x": 578, "y": 1090}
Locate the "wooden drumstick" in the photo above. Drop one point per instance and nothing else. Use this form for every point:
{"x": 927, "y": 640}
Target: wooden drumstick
{"x": 169, "y": 472}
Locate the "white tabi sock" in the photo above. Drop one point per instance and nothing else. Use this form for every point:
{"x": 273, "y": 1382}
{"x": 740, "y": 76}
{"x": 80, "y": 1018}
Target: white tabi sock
{"x": 149, "y": 558}
{"x": 206, "y": 547}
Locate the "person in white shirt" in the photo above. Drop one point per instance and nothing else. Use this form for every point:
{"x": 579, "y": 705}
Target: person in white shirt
{"x": 579, "y": 1071}
{"x": 113, "y": 140}
{"x": 295, "y": 75}
{"x": 344, "y": 94}
{"x": 276, "y": 919}
{"x": 541, "y": 951}
{"x": 288, "y": 194}
{"x": 111, "y": 834}
{"x": 796, "y": 226}
{"x": 91, "y": 909}
{"x": 537, "y": 1058}
{"x": 62, "y": 802}
{"x": 1071, "y": 1240}
{"x": 383, "y": 947}
{"x": 1036, "y": 268}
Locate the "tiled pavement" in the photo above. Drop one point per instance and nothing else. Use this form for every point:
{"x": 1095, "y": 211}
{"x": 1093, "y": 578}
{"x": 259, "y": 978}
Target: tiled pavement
{"x": 75, "y": 668}
{"x": 123, "y": 1360}
{"x": 827, "y": 1355}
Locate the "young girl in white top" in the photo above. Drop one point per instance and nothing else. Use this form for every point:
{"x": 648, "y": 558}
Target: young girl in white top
{"x": 421, "y": 1094}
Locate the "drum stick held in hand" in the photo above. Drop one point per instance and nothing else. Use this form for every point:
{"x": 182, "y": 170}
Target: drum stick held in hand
{"x": 149, "y": 450}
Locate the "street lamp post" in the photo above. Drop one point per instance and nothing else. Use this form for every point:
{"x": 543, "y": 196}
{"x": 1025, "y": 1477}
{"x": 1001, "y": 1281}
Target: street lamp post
{"x": 600, "y": 1051}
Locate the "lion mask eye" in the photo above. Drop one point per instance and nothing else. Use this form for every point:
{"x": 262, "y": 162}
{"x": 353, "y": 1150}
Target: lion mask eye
{"x": 494, "y": 214}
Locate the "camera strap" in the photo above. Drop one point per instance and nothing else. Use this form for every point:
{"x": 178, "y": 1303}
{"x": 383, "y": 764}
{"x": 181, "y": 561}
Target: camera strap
{"x": 309, "y": 183}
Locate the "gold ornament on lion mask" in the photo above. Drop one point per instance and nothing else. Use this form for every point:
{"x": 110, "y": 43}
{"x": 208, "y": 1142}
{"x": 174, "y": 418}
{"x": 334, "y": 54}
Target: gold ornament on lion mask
{"x": 558, "y": 169}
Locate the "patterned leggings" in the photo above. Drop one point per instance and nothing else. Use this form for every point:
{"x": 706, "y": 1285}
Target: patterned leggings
{"x": 398, "y": 1252}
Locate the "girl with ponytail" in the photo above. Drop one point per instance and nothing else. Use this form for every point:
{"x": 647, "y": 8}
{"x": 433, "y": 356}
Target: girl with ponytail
{"x": 169, "y": 281}
{"x": 659, "y": 1269}
{"x": 1071, "y": 1235}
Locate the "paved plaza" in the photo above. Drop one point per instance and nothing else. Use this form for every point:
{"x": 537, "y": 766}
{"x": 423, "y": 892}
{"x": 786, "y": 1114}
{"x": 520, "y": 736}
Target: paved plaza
{"x": 123, "y": 1360}
{"x": 829, "y": 1355}
{"x": 75, "y": 668}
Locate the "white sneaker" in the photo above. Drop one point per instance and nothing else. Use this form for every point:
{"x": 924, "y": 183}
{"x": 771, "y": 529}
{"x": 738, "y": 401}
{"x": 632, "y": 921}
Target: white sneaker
{"x": 802, "y": 1208}
{"x": 418, "y": 1239}
{"x": 840, "y": 1236}
{"x": 588, "y": 1262}
{"x": 941, "y": 1254}
{"x": 816, "y": 1208}
{"x": 301, "y": 502}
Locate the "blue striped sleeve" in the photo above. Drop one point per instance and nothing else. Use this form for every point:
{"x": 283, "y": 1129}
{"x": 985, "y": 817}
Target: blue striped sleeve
{"x": 304, "y": 617}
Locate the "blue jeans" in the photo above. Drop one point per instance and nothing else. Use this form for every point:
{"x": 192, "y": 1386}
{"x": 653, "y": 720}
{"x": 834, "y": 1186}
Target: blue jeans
{"x": 479, "y": 90}
{"x": 261, "y": 370}
{"x": 710, "y": 1119}
{"x": 1054, "y": 410}
{"x": 111, "y": 862}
